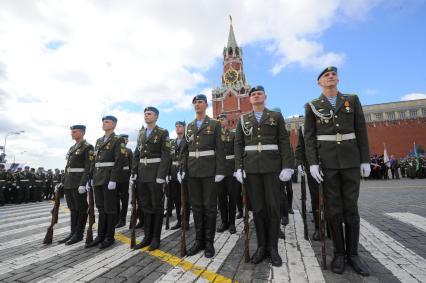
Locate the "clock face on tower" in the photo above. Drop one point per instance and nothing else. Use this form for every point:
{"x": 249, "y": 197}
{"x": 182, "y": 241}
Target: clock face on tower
{"x": 231, "y": 76}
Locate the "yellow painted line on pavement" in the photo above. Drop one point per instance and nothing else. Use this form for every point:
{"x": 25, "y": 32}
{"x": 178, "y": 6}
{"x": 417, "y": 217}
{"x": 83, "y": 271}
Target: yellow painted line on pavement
{"x": 173, "y": 260}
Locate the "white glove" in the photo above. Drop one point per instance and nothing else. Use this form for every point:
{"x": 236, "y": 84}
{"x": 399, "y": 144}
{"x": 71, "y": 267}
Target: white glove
{"x": 112, "y": 185}
{"x": 365, "y": 170}
{"x": 285, "y": 174}
{"x": 88, "y": 185}
{"x": 91, "y": 182}
{"x": 180, "y": 176}
{"x": 218, "y": 178}
{"x": 81, "y": 189}
{"x": 57, "y": 187}
{"x": 301, "y": 170}
{"x": 17, "y": 187}
{"x": 168, "y": 179}
{"x": 316, "y": 173}
{"x": 160, "y": 181}
{"x": 240, "y": 175}
{"x": 133, "y": 178}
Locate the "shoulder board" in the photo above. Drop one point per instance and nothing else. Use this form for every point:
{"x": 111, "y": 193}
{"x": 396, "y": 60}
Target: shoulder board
{"x": 161, "y": 129}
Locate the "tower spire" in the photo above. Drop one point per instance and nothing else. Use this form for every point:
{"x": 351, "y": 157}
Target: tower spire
{"x": 231, "y": 38}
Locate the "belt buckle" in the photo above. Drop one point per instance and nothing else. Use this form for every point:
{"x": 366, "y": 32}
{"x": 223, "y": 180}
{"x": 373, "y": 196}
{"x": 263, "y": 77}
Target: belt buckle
{"x": 339, "y": 137}
{"x": 259, "y": 147}
{"x": 145, "y": 161}
{"x": 197, "y": 154}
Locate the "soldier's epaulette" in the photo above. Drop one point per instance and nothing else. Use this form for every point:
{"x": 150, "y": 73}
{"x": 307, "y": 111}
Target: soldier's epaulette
{"x": 348, "y": 94}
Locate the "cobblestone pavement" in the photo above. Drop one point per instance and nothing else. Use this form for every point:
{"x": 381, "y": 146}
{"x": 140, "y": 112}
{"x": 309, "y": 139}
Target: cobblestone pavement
{"x": 392, "y": 242}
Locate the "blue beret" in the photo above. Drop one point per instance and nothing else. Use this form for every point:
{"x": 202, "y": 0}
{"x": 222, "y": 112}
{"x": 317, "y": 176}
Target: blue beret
{"x": 276, "y": 109}
{"x": 124, "y": 136}
{"x": 110, "y": 117}
{"x": 182, "y": 123}
{"x": 151, "y": 108}
{"x": 78, "y": 127}
{"x": 199, "y": 97}
{"x": 328, "y": 69}
{"x": 222, "y": 116}
{"x": 256, "y": 88}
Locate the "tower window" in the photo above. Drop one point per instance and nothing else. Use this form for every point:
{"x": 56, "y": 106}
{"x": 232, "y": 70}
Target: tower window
{"x": 413, "y": 113}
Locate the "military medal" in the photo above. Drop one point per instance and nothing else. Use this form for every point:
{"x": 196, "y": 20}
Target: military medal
{"x": 209, "y": 131}
{"x": 347, "y": 106}
{"x": 272, "y": 121}
{"x": 326, "y": 121}
{"x": 155, "y": 139}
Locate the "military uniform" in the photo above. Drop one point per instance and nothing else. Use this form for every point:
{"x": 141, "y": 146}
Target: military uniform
{"x": 3, "y": 184}
{"x": 336, "y": 139}
{"x": 106, "y": 167}
{"x": 123, "y": 188}
{"x": 77, "y": 174}
{"x": 262, "y": 149}
{"x": 312, "y": 184}
{"x": 48, "y": 192}
{"x": 39, "y": 181}
{"x": 17, "y": 192}
{"x": 203, "y": 158}
{"x": 229, "y": 187}
{"x": 151, "y": 164}
{"x": 175, "y": 186}
{"x": 26, "y": 183}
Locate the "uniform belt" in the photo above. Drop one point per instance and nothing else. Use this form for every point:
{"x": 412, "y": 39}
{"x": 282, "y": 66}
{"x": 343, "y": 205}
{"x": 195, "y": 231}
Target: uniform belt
{"x": 104, "y": 164}
{"x": 75, "y": 170}
{"x": 25, "y": 180}
{"x": 175, "y": 163}
{"x": 149, "y": 160}
{"x": 337, "y": 137}
{"x": 2, "y": 180}
{"x": 260, "y": 147}
{"x": 126, "y": 168}
{"x": 39, "y": 181}
{"x": 230, "y": 156}
{"x": 198, "y": 153}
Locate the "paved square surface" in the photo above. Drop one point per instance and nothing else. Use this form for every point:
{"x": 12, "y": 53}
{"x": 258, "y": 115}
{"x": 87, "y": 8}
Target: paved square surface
{"x": 392, "y": 242}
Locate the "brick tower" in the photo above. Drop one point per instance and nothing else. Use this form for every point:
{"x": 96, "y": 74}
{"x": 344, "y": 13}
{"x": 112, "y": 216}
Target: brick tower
{"x": 232, "y": 96}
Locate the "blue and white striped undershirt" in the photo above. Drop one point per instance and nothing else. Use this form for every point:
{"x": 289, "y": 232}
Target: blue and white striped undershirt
{"x": 332, "y": 100}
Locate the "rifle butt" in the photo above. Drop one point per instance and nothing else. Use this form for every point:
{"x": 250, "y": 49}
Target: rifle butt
{"x": 48, "y": 239}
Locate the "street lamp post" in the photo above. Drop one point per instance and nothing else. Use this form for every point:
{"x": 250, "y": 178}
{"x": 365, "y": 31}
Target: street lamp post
{"x": 22, "y": 152}
{"x": 9, "y": 134}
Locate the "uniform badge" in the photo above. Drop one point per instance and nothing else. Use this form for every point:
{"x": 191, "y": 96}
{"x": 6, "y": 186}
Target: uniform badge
{"x": 347, "y": 105}
{"x": 272, "y": 121}
{"x": 155, "y": 139}
{"x": 90, "y": 155}
{"x": 209, "y": 130}
{"x": 228, "y": 138}
{"x": 123, "y": 148}
{"x": 326, "y": 121}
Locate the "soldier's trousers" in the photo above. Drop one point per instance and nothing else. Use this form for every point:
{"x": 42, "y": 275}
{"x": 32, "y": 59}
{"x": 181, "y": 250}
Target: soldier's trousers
{"x": 122, "y": 200}
{"x": 227, "y": 198}
{"x": 150, "y": 197}
{"x": 283, "y": 201}
{"x": 2, "y": 199}
{"x": 341, "y": 191}
{"x": 76, "y": 201}
{"x": 289, "y": 192}
{"x": 264, "y": 195}
{"x": 106, "y": 203}
{"x": 176, "y": 199}
{"x": 203, "y": 199}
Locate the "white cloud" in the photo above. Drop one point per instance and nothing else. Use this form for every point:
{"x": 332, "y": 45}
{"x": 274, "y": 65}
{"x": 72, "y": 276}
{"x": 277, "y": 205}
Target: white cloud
{"x": 413, "y": 96}
{"x": 69, "y": 62}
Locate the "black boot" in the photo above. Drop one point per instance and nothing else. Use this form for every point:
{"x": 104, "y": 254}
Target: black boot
{"x": 79, "y": 232}
{"x": 156, "y": 235}
{"x": 74, "y": 219}
{"x": 260, "y": 253}
{"x": 110, "y": 232}
{"x": 176, "y": 226}
{"x": 273, "y": 232}
{"x": 210, "y": 229}
{"x": 222, "y": 228}
{"x": 338, "y": 263}
{"x": 352, "y": 239}
{"x": 199, "y": 244}
{"x": 102, "y": 222}
{"x": 281, "y": 234}
{"x": 232, "y": 228}
{"x": 148, "y": 227}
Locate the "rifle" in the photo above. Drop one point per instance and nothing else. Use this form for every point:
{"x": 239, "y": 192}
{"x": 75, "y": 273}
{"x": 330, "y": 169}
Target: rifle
{"x": 55, "y": 210}
{"x": 91, "y": 212}
{"x": 183, "y": 217}
{"x": 322, "y": 226}
{"x": 246, "y": 222}
{"x": 134, "y": 216}
{"x": 169, "y": 204}
{"x": 303, "y": 191}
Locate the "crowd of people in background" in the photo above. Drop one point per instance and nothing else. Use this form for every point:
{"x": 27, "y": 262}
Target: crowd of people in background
{"x": 25, "y": 185}
{"x": 404, "y": 167}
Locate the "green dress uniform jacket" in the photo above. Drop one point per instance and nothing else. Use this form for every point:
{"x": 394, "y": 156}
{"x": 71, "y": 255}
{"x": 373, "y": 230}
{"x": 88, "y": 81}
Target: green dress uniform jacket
{"x": 77, "y": 169}
{"x": 124, "y": 176}
{"x": 148, "y": 152}
{"x": 108, "y": 160}
{"x": 205, "y": 140}
{"x": 270, "y": 131}
{"x": 346, "y": 118}
{"x": 228, "y": 137}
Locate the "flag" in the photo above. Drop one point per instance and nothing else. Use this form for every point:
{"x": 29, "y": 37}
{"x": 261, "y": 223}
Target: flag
{"x": 415, "y": 150}
{"x": 385, "y": 156}
{"x": 416, "y": 156}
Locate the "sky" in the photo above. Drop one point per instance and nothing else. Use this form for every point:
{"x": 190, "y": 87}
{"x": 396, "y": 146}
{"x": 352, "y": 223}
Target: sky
{"x": 72, "y": 62}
